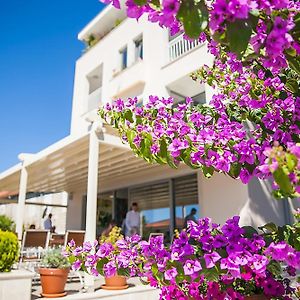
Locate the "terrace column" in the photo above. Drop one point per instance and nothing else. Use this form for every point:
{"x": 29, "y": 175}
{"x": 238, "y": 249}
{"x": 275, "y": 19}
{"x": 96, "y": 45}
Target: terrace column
{"x": 92, "y": 192}
{"x": 21, "y": 201}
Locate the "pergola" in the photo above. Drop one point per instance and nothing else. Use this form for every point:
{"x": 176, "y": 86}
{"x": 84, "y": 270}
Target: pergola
{"x": 86, "y": 161}
{"x": 96, "y": 160}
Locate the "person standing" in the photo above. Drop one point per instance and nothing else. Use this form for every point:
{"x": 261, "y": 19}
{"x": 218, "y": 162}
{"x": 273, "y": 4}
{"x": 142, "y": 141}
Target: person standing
{"x": 132, "y": 221}
{"x": 48, "y": 222}
{"x": 190, "y": 217}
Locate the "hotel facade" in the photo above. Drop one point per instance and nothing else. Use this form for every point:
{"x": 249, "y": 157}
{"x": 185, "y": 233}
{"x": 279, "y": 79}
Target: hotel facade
{"x": 90, "y": 177}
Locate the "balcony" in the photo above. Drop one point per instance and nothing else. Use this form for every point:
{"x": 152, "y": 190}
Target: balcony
{"x": 93, "y": 100}
{"x": 179, "y": 46}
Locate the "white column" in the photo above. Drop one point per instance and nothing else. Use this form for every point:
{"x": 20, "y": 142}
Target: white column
{"x": 21, "y": 201}
{"x": 92, "y": 192}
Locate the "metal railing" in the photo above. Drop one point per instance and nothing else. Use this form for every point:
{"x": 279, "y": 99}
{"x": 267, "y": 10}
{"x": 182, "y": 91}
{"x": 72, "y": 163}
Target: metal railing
{"x": 179, "y": 45}
{"x": 94, "y": 100}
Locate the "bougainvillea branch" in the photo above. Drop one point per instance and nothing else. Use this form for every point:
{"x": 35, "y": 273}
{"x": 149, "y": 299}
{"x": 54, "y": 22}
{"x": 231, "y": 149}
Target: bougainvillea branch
{"x": 256, "y": 74}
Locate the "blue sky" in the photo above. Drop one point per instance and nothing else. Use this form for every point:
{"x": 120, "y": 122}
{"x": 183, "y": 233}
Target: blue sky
{"x": 38, "y": 50}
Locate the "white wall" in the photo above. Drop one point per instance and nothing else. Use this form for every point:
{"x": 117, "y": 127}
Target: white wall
{"x": 74, "y": 212}
{"x": 33, "y": 214}
{"x": 222, "y": 197}
{"x": 149, "y": 76}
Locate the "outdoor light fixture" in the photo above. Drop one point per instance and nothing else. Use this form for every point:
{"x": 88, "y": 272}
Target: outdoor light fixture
{"x": 24, "y": 156}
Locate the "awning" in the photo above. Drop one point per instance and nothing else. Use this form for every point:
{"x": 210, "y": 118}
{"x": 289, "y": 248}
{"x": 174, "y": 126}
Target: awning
{"x": 63, "y": 166}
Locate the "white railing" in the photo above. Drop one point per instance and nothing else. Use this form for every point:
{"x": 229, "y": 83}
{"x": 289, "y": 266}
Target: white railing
{"x": 93, "y": 100}
{"x": 179, "y": 46}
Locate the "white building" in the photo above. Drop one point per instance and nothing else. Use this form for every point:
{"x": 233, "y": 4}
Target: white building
{"x": 99, "y": 173}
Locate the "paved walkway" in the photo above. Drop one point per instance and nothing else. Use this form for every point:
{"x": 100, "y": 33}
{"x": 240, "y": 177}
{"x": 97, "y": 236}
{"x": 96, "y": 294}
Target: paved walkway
{"x": 135, "y": 291}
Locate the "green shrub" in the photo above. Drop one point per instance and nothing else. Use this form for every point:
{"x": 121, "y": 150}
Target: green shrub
{"x": 9, "y": 250}
{"x": 7, "y": 224}
{"x": 53, "y": 258}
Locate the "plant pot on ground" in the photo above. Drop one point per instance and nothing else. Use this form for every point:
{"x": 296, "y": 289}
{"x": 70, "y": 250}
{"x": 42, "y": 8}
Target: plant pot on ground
{"x": 54, "y": 271}
{"x": 115, "y": 282}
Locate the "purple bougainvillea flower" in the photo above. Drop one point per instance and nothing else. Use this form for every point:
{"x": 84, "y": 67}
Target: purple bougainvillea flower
{"x": 211, "y": 259}
{"x": 191, "y": 266}
{"x": 171, "y": 274}
{"x": 110, "y": 269}
{"x": 76, "y": 265}
{"x": 104, "y": 250}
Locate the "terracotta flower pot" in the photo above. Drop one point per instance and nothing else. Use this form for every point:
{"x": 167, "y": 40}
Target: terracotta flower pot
{"x": 53, "y": 282}
{"x": 115, "y": 283}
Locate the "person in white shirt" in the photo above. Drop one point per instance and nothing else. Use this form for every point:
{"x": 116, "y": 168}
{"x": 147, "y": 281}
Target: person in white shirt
{"x": 132, "y": 221}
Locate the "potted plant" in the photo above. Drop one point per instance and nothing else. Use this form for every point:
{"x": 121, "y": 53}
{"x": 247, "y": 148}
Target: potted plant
{"x": 101, "y": 258}
{"x": 53, "y": 272}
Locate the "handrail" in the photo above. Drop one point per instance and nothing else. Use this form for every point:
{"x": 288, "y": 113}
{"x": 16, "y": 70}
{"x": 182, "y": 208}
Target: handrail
{"x": 179, "y": 46}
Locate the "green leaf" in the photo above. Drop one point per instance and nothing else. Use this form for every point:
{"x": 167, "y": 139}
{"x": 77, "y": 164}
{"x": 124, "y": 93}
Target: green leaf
{"x": 130, "y": 134}
{"x": 235, "y": 170}
{"x": 194, "y": 17}
{"x": 145, "y": 148}
{"x": 271, "y": 227}
{"x": 156, "y": 3}
{"x": 100, "y": 265}
{"x": 163, "y": 153}
{"x": 211, "y": 274}
{"x": 140, "y": 2}
{"x": 283, "y": 180}
{"x": 249, "y": 231}
{"x": 207, "y": 171}
{"x": 238, "y": 36}
{"x": 294, "y": 63}
{"x": 274, "y": 267}
{"x": 128, "y": 115}
{"x": 291, "y": 161}
{"x": 292, "y": 85}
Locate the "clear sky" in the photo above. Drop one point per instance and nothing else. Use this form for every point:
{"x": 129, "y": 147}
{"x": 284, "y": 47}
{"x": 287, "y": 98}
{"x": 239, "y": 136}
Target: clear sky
{"x": 38, "y": 50}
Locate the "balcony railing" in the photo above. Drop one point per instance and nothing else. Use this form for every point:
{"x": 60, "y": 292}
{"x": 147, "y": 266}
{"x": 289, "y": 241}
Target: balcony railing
{"x": 180, "y": 46}
{"x": 93, "y": 100}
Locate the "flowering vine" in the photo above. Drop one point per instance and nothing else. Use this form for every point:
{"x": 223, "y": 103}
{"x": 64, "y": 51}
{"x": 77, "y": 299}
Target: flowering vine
{"x": 206, "y": 261}
{"x": 256, "y": 74}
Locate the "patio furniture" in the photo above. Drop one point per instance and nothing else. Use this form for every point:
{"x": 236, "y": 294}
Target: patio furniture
{"x": 34, "y": 243}
{"x": 57, "y": 240}
{"x": 76, "y": 235}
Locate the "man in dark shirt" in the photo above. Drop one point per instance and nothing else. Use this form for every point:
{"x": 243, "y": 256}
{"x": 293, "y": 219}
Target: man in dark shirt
{"x": 190, "y": 217}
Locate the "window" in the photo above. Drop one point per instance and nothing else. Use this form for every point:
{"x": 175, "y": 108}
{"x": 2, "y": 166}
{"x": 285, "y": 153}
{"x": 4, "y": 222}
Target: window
{"x": 95, "y": 79}
{"x": 123, "y": 56}
{"x": 139, "y": 48}
{"x": 186, "y": 199}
